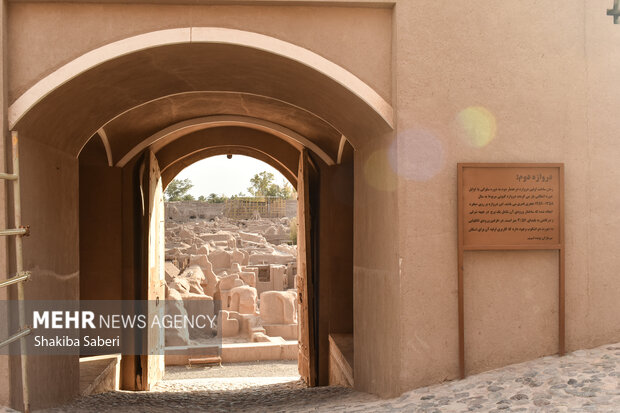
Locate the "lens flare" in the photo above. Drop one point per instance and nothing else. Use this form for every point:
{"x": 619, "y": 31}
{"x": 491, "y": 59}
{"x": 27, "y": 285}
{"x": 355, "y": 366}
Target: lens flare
{"x": 379, "y": 173}
{"x": 417, "y": 155}
{"x": 478, "y": 125}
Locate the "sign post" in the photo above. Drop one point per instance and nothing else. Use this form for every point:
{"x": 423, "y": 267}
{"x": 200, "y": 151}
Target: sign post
{"x": 510, "y": 206}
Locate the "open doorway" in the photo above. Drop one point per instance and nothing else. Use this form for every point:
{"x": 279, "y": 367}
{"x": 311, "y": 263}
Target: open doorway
{"x": 231, "y": 238}
{"x": 86, "y": 121}
{"x": 123, "y": 254}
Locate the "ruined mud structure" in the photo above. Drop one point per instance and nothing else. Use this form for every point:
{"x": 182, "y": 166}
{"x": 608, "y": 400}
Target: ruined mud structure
{"x": 248, "y": 265}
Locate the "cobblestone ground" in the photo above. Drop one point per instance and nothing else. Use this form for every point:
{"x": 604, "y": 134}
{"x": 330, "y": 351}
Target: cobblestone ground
{"x": 279, "y": 368}
{"x": 583, "y": 381}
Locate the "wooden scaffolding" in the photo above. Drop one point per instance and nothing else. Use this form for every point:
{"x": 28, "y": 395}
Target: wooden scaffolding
{"x": 255, "y": 207}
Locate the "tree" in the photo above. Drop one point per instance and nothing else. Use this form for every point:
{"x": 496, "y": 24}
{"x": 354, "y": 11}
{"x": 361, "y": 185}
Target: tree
{"x": 263, "y": 185}
{"x": 177, "y": 190}
{"x": 202, "y": 198}
{"x": 215, "y": 199}
{"x": 286, "y": 190}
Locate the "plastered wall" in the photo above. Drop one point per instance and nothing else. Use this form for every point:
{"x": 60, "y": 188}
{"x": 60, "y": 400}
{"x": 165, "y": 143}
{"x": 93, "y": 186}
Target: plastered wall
{"x": 38, "y": 46}
{"x": 376, "y": 280}
{"x": 49, "y": 182}
{"x": 4, "y": 264}
{"x": 536, "y": 77}
{"x": 541, "y": 71}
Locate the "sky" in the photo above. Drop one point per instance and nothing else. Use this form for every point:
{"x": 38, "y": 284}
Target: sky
{"x": 225, "y": 176}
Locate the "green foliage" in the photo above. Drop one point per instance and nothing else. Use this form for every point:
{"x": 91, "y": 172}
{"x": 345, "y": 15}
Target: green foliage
{"x": 177, "y": 190}
{"x": 263, "y": 185}
{"x": 286, "y": 191}
{"x": 215, "y": 199}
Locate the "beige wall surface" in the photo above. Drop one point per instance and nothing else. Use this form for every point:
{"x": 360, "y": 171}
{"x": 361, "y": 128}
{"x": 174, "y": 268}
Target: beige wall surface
{"x": 594, "y": 285}
{"x": 4, "y": 264}
{"x": 376, "y": 280}
{"x": 332, "y": 3}
{"x": 46, "y": 36}
{"x": 537, "y": 77}
{"x": 49, "y": 183}
{"x": 543, "y": 72}
{"x": 511, "y": 316}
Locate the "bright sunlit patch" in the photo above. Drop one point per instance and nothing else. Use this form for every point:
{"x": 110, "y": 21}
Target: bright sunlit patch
{"x": 378, "y": 171}
{"x": 478, "y": 125}
{"x": 220, "y": 175}
{"x": 417, "y": 155}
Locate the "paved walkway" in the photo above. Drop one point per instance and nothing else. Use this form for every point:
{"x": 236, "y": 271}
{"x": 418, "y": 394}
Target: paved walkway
{"x": 584, "y": 381}
{"x": 278, "y": 368}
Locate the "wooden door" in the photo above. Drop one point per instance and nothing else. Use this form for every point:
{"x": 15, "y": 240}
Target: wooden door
{"x": 304, "y": 278}
{"x": 153, "y": 285}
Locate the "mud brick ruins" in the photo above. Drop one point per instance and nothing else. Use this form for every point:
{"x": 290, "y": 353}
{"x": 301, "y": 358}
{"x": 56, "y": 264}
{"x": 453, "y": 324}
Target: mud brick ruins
{"x": 236, "y": 262}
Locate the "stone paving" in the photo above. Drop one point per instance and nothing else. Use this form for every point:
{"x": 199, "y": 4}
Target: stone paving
{"x": 263, "y": 368}
{"x": 583, "y": 381}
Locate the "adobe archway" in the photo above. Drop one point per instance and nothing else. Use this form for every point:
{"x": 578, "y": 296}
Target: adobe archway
{"x": 201, "y": 144}
{"x": 127, "y": 91}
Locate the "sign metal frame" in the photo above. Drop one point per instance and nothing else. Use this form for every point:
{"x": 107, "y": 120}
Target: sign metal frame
{"x": 490, "y": 246}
